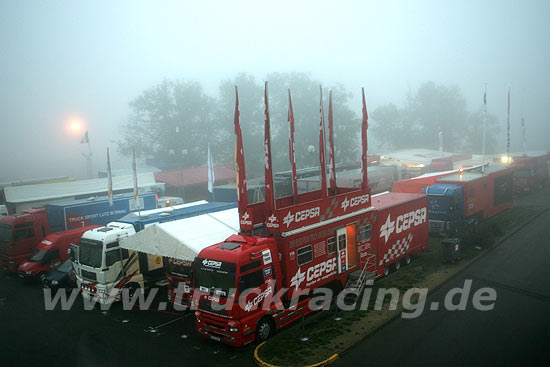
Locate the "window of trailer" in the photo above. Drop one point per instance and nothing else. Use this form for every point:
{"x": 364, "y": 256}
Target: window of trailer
{"x": 331, "y": 245}
{"x": 365, "y": 233}
{"x": 305, "y": 255}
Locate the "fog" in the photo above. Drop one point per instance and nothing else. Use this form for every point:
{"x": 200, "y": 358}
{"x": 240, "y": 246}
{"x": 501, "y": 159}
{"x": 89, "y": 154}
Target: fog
{"x": 61, "y": 59}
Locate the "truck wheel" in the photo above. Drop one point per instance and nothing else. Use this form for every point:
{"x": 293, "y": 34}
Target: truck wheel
{"x": 398, "y": 265}
{"x": 264, "y": 329}
{"x": 407, "y": 260}
{"x": 386, "y": 271}
{"x": 41, "y": 276}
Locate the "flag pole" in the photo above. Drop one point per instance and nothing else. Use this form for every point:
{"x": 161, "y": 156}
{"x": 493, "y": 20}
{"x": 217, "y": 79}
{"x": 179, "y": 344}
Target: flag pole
{"x": 508, "y": 129}
{"x": 484, "y": 128}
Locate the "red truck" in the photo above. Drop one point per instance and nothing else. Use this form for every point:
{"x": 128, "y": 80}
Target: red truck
{"x": 531, "y": 173}
{"x": 263, "y": 278}
{"x": 333, "y": 253}
{"x": 21, "y": 233}
{"x": 50, "y": 252}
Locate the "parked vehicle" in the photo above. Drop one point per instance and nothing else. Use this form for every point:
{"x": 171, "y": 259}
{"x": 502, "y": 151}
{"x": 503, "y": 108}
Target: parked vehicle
{"x": 336, "y": 253}
{"x": 103, "y": 268}
{"x": 468, "y": 196}
{"x": 531, "y": 173}
{"x": 167, "y": 201}
{"x": 21, "y": 233}
{"x": 61, "y": 276}
{"x": 50, "y": 252}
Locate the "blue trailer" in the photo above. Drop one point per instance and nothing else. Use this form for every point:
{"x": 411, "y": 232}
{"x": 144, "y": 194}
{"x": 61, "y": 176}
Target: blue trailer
{"x": 140, "y": 222}
{"x": 67, "y": 215}
{"x": 445, "y": 206}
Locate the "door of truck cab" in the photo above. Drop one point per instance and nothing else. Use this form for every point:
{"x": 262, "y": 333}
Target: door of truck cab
{"x": 112, "y": 265}
{"x": 347, "y": 250}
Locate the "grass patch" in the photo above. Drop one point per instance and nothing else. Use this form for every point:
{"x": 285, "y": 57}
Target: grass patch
{"x": 327, "y": 336}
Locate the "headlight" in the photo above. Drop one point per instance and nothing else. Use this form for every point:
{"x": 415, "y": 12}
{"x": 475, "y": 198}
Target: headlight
{"x": 55, "y": 282}
{"x": 198, "y": 320}
{"x": 233, "y": 329}
{"x": 28, "y": 272}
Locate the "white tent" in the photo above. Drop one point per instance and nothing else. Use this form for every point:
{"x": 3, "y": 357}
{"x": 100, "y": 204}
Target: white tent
{"x": 185, "y": 238}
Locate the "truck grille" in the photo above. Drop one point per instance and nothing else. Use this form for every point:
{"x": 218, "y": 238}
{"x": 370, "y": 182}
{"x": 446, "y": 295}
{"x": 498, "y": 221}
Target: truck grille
{"x": 436, "y": 226}
{"x": 88, "y": 275}
{"x": 207, "y": 306}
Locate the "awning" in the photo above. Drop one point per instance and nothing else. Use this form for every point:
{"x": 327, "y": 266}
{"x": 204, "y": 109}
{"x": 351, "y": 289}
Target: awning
{"x": 183, "y": 239}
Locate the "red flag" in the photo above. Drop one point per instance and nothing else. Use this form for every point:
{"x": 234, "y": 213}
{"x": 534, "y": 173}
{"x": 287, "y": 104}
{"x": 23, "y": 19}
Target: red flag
{"x": 322, "y": 148}
{"x": 331, "y": 163}
{"x": 364, "y": 144}
{"x": 269, "y": 191}
{"x": 291, "y": 148}
{"x": 239, "y": 161}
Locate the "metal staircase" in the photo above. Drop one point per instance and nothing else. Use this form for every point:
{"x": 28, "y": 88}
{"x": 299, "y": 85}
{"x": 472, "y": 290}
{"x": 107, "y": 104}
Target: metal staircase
{"x": 358, "y": 279}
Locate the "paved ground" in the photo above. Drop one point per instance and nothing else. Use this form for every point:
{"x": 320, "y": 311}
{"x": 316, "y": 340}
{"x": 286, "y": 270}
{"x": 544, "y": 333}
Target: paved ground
{"x": 516, "y": 332}
{"x": 32, "y": 336}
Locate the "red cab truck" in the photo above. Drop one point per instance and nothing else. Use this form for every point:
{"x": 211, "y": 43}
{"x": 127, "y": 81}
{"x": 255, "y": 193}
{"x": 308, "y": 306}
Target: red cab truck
{"x": 369, "y": 240}
{"x": 263, "y": 278}
{"x": 50, "y": 252}
{"x": 21, "y": 233}
{"x": 531, "y": 173}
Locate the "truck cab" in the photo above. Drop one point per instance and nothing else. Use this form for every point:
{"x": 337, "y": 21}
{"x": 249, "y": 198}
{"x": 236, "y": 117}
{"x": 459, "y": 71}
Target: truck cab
{"x": 19, "y": 235}
{"x": 103, "y": 268}
{"x": 445, "y": 206}
{"x": 233, "y": 280}
{"x": 97, "y": 261}
{"x": 50, "y": 252}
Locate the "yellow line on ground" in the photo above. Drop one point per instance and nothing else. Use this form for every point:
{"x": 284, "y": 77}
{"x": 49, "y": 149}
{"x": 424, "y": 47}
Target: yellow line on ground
{"x": 263, "y": 363}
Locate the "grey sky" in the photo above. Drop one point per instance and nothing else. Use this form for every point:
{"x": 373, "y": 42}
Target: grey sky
{"x": 63, "y": 58}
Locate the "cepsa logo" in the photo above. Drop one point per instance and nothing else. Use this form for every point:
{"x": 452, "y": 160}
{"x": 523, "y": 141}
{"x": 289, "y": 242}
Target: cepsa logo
{"x": 301, "y": 215}
{"x": 245, "y": 219}
{"x": 212, "y": 263}
{"x": 258, "y": 299}
{"x": 357, "y": 200}
{"x": 313, "y": 273}
{"x": 402, "y": 223}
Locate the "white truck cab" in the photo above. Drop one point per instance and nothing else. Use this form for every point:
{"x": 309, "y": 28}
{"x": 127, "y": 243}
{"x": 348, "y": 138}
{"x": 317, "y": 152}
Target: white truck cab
{"x": 99, "y": 262}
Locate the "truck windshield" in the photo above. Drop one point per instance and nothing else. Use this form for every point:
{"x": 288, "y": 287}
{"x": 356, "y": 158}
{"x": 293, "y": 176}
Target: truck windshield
{"x": 179, "y": 268}
{"x": 523, "y": 172}
{"x": 38, "y": 256}
{"x": 5, "y": 233}
{"x": 214, "y": 277}
{"x": 65, "y": 266}
{"x": 90, "y": 252}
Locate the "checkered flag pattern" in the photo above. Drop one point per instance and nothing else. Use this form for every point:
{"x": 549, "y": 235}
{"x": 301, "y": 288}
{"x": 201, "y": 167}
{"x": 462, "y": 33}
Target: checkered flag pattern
{"x": 397, "y": 249}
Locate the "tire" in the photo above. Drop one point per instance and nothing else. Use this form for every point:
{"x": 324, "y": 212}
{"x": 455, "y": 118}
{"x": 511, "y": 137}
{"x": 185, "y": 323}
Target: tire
{"x": 398, "y": 265}
{"x": 386, "y": 271}
{"x": 41, "y": 276}
{"x": 264, "y": 329}
{"x": 408, "y": 260}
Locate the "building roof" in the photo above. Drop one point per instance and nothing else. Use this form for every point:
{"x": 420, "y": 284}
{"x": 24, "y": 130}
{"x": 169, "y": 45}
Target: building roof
{"x": 185, "y": 238}
{"x": 389, "y": 199}
{"x": 68, "y": 189}
{"x": 195, "y": 176}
